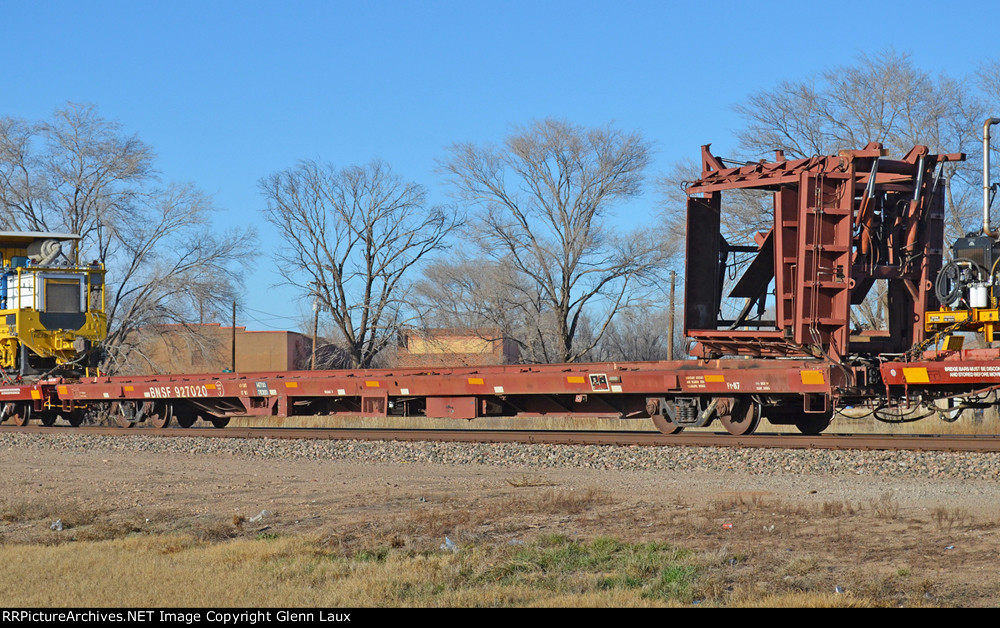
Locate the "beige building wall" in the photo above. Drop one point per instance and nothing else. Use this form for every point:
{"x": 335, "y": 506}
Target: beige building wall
{"x": 454, "y": 347}
{"x": 176, "y": 349}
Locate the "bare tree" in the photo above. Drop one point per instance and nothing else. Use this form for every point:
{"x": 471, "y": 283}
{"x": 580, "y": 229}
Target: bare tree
{"x": 882, "y": 98}
{"x": 80, "y": 173}
{"x": 170, "y": 268}
{"x": 639, "y": 335}
{"x": 544, "y": 200}
{"x": 74, "y": 173}
{"x": 487, "y": 297}
{"x": 352, "y": 236}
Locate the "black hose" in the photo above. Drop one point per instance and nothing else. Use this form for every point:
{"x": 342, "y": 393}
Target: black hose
{"x": 952, "y": 272}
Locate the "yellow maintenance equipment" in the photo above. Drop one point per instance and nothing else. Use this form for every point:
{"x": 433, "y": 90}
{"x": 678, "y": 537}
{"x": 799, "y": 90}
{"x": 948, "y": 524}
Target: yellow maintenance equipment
{"x": 51, "y": 306}
{"x": 966, "y": 288}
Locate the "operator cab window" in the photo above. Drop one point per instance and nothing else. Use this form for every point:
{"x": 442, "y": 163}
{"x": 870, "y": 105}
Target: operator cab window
{"x": 62, "y": 296}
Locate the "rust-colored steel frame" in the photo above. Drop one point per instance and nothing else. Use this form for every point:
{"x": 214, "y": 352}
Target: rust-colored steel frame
{"x": 619, "y": 390}
{"x": 938, "y": 373}
{"x": 841, "y": 223}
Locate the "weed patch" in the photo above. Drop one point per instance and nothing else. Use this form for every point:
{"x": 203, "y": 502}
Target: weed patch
{"x": 654, "y": 570}
{"x": 554, "y": 501}
{"x": 886, "y": 507}
{"x": 526, "y": 480}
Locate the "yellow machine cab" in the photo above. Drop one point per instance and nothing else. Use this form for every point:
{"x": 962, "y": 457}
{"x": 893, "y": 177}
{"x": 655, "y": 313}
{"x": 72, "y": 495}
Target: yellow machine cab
{"x": 52, "y": 306}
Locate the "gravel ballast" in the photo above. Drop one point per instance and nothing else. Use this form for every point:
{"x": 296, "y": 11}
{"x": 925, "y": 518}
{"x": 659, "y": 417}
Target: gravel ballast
{"x": 745, "y": 461}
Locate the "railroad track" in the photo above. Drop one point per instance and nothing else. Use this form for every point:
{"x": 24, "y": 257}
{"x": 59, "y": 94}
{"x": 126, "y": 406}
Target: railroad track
{"x": 924, "y": 442}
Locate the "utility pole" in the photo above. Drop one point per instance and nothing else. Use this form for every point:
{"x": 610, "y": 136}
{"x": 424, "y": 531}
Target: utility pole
{"x": 312, "y": 364}
{"x": 670, "y": 325}
{"x": 234, "y": 337}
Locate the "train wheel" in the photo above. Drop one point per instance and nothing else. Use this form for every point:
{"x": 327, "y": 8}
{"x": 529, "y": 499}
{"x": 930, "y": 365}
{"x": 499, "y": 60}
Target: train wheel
{"x": 19, "y": 413}
{"x": 158, "y": 413}
{"x": 813, "y": 424}
{"x": 665, "y": 425}
{"x": 185, "y": 414}
{"x": 48, "y": 419}
{"x": 743, "y": 419}
{"x": 219, "y": 422}
{"x": 185, "y": 419}
{"x": 661, "y": 411}
{"x": 75, "y": 417}
{"x": 126, "y": 413}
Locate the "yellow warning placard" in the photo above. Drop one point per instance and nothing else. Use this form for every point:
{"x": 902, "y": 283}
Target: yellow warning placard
{"x": 812, "y": 377}
{"x": 916, "y": 375}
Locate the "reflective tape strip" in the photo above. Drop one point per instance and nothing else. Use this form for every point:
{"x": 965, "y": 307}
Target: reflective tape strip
{"x": 576, "y": 379}
{"x": 475, "y": 380}
{"x": 715, "y": 378}
{"x": 916, "y": 375}
{"x": 812, "y": 377}
{"x": 372, "y": 384}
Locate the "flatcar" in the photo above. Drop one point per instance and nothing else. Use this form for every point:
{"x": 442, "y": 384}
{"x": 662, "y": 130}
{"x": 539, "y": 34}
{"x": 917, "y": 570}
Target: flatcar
{"x": 770, "y": 322}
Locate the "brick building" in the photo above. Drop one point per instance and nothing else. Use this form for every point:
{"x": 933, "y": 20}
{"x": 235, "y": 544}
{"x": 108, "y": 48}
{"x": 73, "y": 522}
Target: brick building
{"x": 207, "y": 348}
{"x": 454, "y": 347}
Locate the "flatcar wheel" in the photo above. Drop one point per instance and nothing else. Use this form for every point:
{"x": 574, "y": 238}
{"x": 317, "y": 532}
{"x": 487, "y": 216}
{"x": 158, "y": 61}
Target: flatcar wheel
{"x": 665, "y": 425}
{"x": 126, "y": 413}
{"x": 19, "y": 413}
{"x": 158, "y": 413}
{"x": 185, "y": 419}
{"x": 75, "y": 417}
{"x": 220, "y": 422}
{"x": 744, "y": 418}
{"x": 48, "y": 419}
{"x": 813, "y": 424}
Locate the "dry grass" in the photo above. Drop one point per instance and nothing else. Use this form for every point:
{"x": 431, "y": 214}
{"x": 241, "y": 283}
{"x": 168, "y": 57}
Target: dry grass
{"x": 301, "y": 571}
{"x": 838, "y": 508}
{"x": 742, "y": 562}
{"x": 71, "y": 515}
{"x": 886, "y": 507}
{"x": 526, "y": 480}
{"x": 558, "y": 501}
{"x": 424, "y": 525}
{"x": 947, "y": 519}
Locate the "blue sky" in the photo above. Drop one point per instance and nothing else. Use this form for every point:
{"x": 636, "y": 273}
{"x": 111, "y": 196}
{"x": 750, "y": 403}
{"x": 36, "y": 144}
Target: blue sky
{"x": 229, "y": 92}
